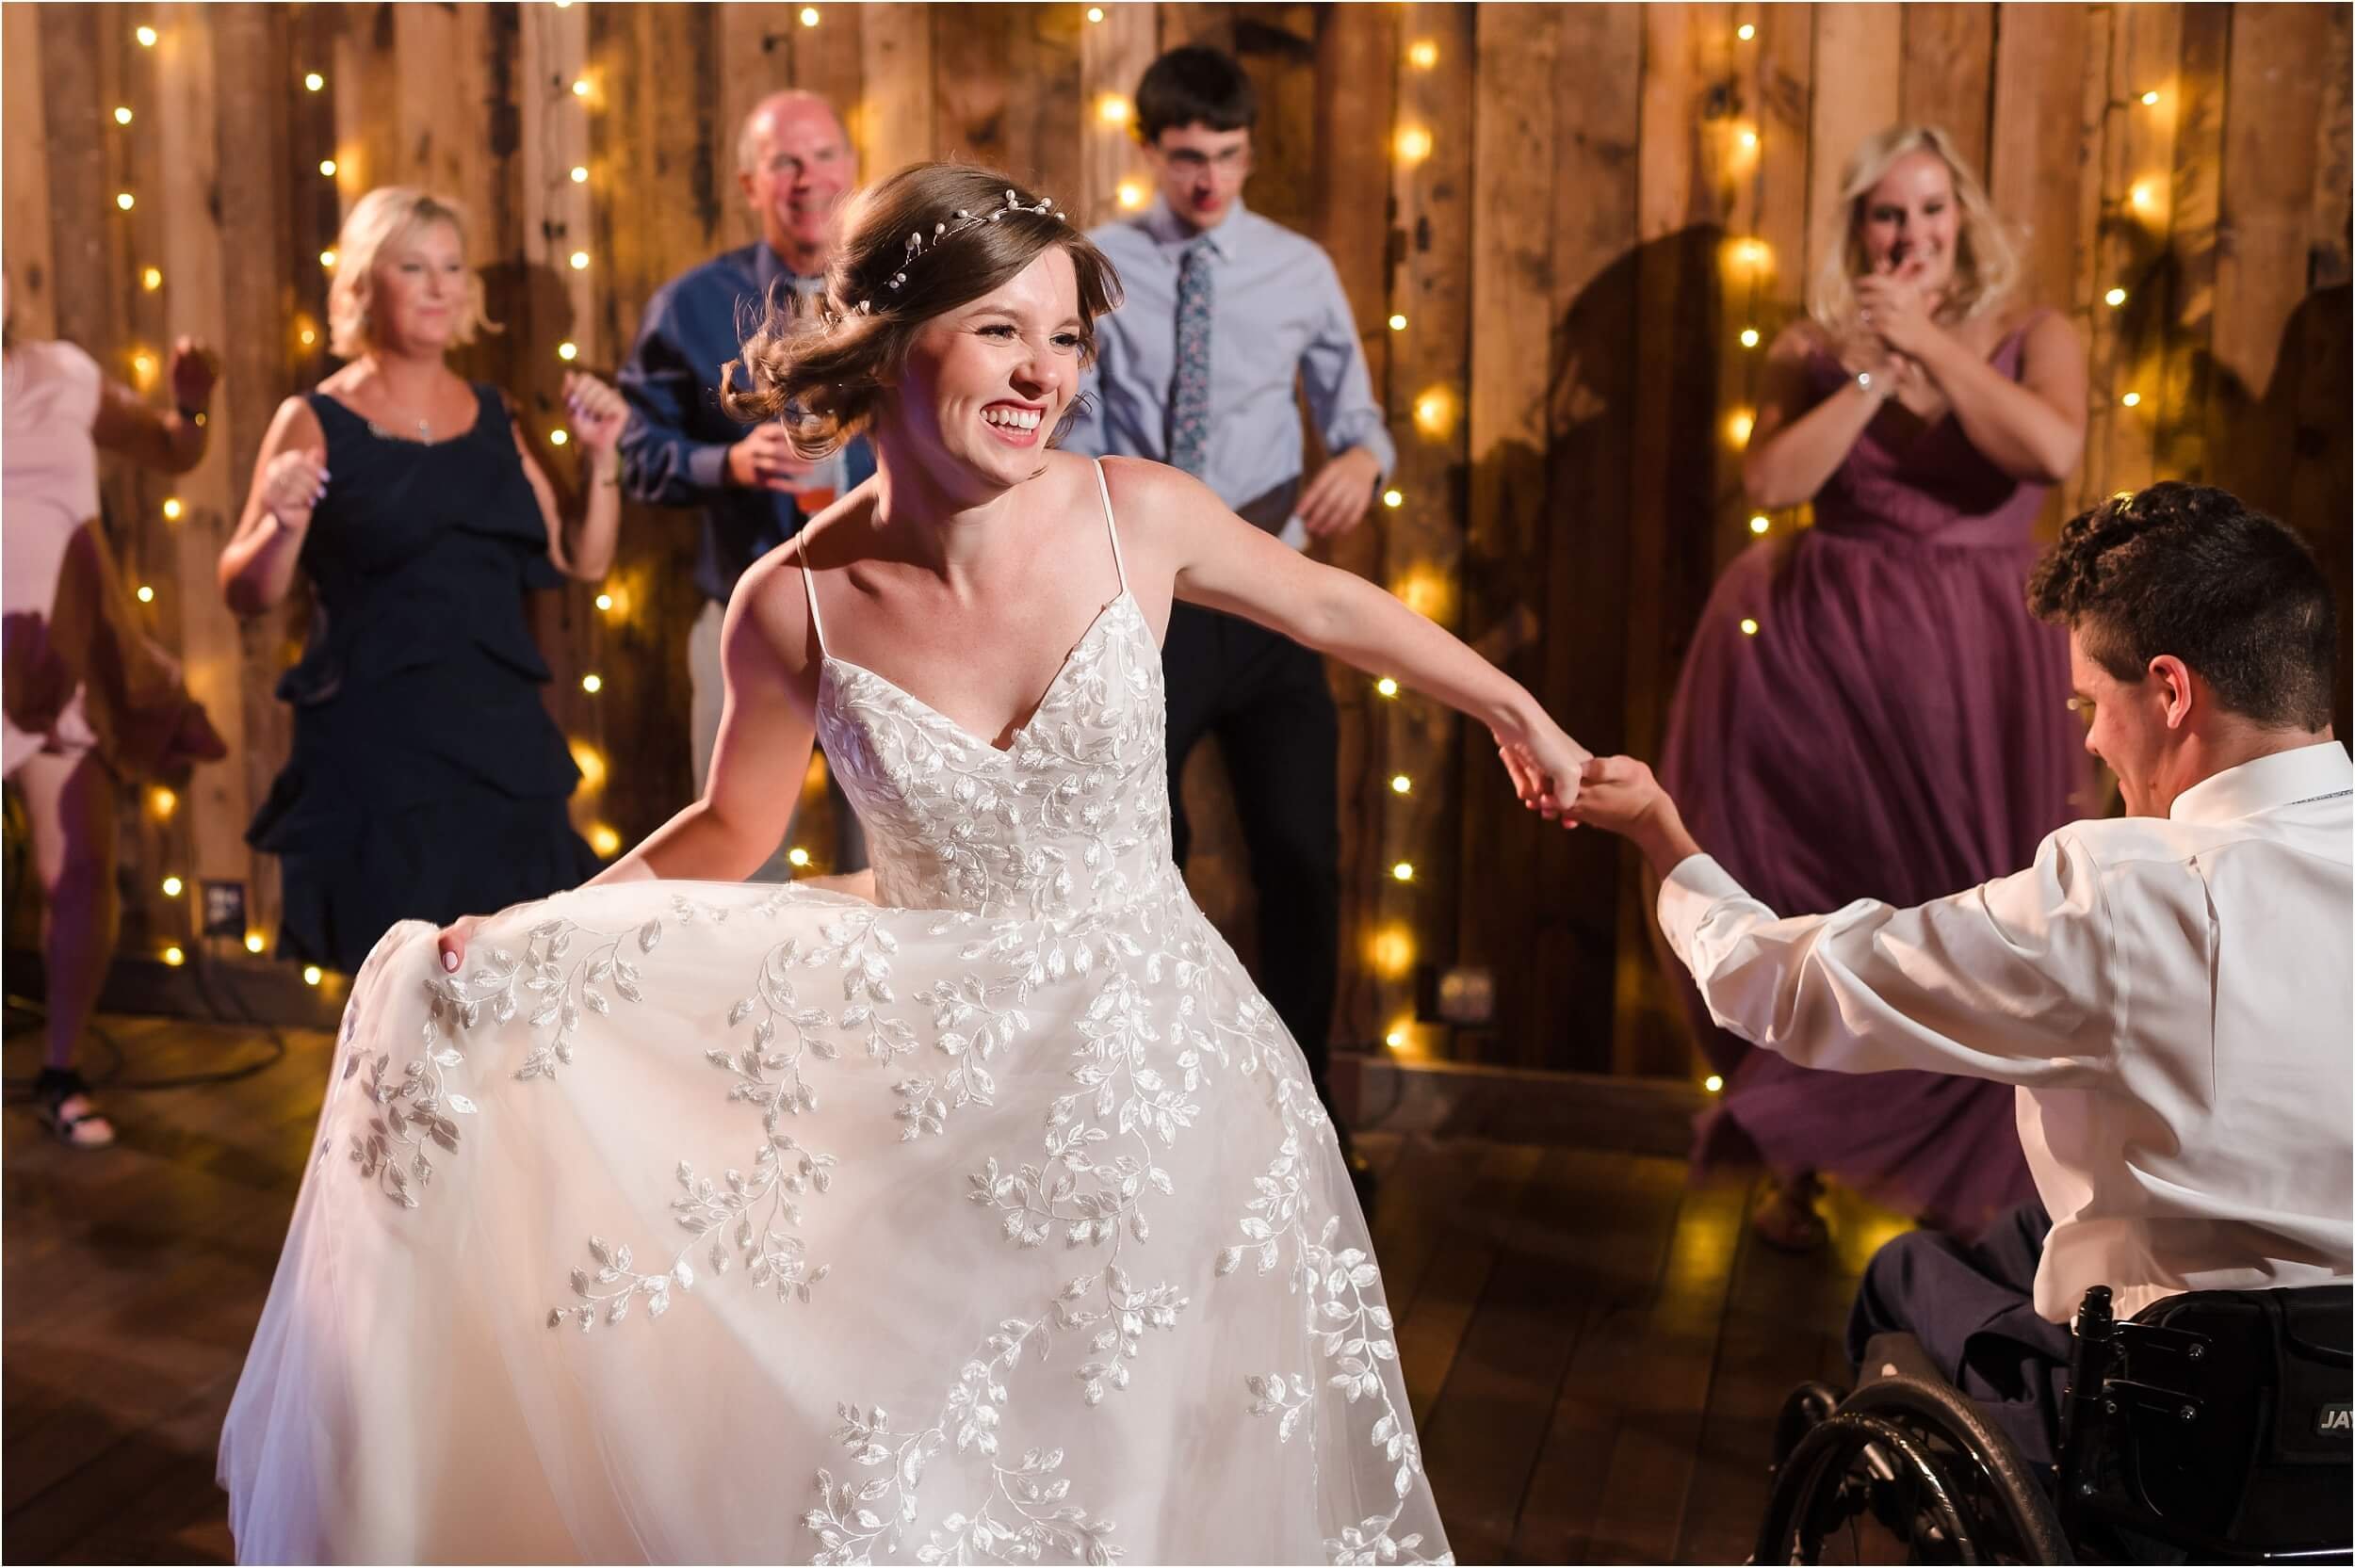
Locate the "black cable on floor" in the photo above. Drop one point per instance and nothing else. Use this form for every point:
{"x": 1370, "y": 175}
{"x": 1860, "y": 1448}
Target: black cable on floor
{"x": 110, "y": 1078}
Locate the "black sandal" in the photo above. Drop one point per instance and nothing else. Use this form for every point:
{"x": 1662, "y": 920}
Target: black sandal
{"x": 61, "y": 1100}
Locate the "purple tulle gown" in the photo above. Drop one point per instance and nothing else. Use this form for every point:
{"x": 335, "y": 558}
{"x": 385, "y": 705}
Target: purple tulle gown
{"x": 1897, "y": 728}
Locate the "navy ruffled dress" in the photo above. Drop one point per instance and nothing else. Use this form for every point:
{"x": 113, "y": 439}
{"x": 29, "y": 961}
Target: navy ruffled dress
{"x": 427, "y": 780}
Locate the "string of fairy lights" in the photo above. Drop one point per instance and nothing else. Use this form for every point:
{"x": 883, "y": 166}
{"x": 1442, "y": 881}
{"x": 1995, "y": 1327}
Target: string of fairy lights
{"x": 568, "y": 198}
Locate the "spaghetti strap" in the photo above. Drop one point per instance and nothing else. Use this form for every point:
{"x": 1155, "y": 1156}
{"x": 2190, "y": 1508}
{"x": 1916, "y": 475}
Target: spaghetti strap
{"x": 1105, "y": 491}
{"x": 809, "y": 587}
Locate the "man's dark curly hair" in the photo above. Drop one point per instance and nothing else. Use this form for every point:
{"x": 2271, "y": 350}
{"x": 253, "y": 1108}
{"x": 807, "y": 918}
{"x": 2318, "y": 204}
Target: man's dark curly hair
{"x": 2187, "y": 569}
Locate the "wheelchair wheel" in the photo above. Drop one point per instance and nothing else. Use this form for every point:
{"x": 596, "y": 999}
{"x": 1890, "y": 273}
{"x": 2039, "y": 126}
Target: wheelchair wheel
{"x": 1916, "y": 1458}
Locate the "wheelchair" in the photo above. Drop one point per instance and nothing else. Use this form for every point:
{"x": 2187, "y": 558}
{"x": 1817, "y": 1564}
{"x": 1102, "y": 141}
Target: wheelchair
{"x": 2214, "y": 1427}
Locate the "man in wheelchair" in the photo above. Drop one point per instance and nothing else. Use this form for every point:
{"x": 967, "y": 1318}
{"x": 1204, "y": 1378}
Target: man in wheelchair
{"x": 2169, "y": 990}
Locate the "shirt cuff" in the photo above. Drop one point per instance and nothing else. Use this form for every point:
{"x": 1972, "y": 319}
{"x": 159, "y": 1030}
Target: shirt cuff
{"x": 1698, "y": 885}
{"x": 708, "y": 467}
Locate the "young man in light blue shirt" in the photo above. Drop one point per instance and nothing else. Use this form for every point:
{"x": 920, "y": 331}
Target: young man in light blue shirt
{"x": 1228, "y": 317}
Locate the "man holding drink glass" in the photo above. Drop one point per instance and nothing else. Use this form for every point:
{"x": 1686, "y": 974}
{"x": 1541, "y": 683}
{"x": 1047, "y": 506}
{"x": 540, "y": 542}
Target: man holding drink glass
{"x": 794, "y": 165}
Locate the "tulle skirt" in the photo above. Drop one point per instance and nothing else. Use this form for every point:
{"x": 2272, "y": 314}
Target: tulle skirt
{"x": 724, "y": 1224}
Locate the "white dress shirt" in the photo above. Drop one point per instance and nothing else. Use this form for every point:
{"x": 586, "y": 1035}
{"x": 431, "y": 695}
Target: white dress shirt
{"x": 2170, "y": 995}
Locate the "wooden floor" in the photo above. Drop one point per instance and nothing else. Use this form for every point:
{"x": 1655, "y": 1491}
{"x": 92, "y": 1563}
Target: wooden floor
{"x": 1594, "y": 1349}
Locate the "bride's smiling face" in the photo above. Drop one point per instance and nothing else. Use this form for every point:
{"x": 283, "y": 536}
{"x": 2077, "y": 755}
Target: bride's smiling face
{"x": 988, "y": 381}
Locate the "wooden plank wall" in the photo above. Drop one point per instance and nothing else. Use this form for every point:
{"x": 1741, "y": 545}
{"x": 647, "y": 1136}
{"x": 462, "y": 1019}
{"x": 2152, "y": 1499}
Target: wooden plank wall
{"x": 1576, "y": 210}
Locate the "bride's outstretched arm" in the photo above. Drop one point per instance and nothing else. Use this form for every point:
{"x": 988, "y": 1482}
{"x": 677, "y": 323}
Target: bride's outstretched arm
{"x": 766, "y": 733}
{"x": 1218, "y": 561}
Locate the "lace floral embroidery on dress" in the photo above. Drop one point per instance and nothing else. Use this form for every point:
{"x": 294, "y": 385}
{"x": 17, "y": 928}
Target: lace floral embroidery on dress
{"x": 1046, "y": 868}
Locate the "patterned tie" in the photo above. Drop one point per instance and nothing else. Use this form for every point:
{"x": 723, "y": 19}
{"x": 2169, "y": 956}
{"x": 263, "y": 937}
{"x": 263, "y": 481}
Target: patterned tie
{"x": 1190, "y": 388}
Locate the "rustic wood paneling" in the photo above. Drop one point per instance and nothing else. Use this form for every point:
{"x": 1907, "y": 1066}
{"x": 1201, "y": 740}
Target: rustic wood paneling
{"x": 1575, "y": 258}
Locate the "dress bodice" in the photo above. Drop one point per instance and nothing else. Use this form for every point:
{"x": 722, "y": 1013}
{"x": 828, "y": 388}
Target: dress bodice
{"x": 1924, "y": 481}
{"x": 420, "y": 553}
{"x": 1072, "y": 817}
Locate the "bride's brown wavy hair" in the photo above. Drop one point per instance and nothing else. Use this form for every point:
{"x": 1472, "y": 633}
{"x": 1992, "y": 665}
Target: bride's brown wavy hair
{"x": 824, "y": 370}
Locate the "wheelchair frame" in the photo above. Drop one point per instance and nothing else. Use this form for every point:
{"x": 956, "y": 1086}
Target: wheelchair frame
{"x": 1918, "y": 1454}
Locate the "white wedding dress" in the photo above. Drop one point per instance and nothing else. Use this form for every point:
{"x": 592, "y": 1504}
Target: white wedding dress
{"x": 717, "y": 1222}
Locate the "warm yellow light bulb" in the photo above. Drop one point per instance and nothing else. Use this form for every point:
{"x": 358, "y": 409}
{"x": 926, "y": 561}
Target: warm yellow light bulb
{"x": 558, "y": 437}
{"x": 1422, "y": 54}
{"x": 312, "y": 80}
{"x": 592, "y": 684}
{"x": 1413, "y": 144}
{"x": 327, "y": 258}
{"x": 143, "y": 365}
{"x": 175, "y": 957}
{"x": 152, "y": 278}
{"x": 173, "y": 509}
{"x": 1395, "y": 1039}
{"x": 1749, "y": 139}
{"x": 1750, "y": 627}
{"x": 1435, "y": 413}
{"x": 1393, "y": 498}
{"x": 1113, "y": 109}
{"x": 1745, "y": 32}
{"x": 581, "y": 87}
{"x": 124, "y": 200}
{"x": 1749, "y": 337}
{"x": 2149, "y": 99}
{"x": 568, "y": 351}
{"x": 604, "y": 841}
{"x": 605, "y": 601}
{"x": 308, "y": 337}
{"x": 581, "y": 175}
{"x": 1130, "y": 194}
{"x": 311, "y": 974}
{"x": 580, "y": 261}
{"x": 1095, "y": 13}
{"x": 1712, "y": 1083}
{"x": 1398, "y": 323}
{"x": 255, "y": 941}
{"x": 809, "y": 16}
{"x": 2115, "y": 297}
{"x": 173, "y": 886}
{"x": 797, "y": 856}
{"x": 590, "y": 763}
{"x": 2141, "y": 196}
{"x": 122, "y": 113}
{"x": 146, "y": 36}
{"x": 1738, "y": 425}
{"x": 2132, "y": 399}
{"x": 1759, "y": 523}
{"x": 1403, "y": 871}
{"x": 1402, "y": 784}
{"x": 147, "y": 594}
{"x": 327, "y": 166}
{"x": 1386, "y": 686}
{"x": 162, "y": 801}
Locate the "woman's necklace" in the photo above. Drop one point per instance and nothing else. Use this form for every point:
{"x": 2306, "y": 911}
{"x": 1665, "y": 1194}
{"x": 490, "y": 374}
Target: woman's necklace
{"x": 425, "y": 431}
{"x": 425, "y": 428}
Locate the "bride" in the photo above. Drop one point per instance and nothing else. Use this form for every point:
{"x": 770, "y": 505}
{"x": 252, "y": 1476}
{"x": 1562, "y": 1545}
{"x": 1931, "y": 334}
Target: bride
{"x": 677, "y": 1218}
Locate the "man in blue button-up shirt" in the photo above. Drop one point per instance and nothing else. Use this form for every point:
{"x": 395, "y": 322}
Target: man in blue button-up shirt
{"x": 1227, "y": 317}
{"x": 794, "y": 164}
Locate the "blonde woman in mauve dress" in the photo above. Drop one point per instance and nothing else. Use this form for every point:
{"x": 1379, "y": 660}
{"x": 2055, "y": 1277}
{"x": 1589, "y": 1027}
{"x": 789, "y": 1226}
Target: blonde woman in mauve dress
{"x": 1896, "y": 726}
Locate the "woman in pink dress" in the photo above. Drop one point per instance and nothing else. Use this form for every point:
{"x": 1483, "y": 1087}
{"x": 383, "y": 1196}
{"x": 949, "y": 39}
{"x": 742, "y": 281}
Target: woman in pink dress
{"x": 1868, "y": 710}
{"x": 91, "y": 704}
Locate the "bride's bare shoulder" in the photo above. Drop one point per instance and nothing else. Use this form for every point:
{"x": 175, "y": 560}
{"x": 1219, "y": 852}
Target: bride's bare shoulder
{"x": 772, "y": 595}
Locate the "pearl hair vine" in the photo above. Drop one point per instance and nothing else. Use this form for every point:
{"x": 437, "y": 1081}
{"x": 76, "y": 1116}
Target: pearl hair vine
{"x": 949, "y": 228}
